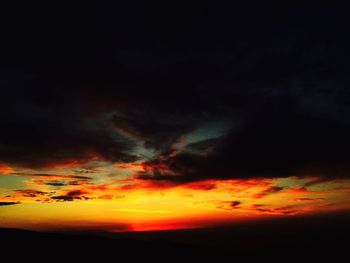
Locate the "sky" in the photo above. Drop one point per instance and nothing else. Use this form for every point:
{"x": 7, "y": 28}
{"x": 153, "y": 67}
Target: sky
{"x": 133, "y": 117}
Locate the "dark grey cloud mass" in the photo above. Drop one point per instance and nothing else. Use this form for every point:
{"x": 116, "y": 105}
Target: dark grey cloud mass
{"x": 8, "y": 203}
{"x": 99, "y": 81}
{"x": 71, "y": 196}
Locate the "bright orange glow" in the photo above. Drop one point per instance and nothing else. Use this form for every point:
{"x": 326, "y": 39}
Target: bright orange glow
{"x": 113, "y": 198}
{"x": 5, "y": 169}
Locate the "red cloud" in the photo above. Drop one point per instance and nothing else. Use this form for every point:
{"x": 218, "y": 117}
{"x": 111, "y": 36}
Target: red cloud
{"x": 5, "y": 169}
{"x": 268, "y": 191}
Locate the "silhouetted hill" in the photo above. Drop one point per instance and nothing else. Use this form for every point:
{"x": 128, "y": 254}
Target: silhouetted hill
{"x": 36, "y": 246}
{"x": 306, "y": 232}
{"x": 302, "y": 238}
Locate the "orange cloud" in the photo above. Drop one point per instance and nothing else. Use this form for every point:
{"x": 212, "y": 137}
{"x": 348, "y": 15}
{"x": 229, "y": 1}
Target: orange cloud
{"x": 268, "y": 191}
{"x": 53, "y": 176}
{"x": 5, "y": 169}
{"x": 152, "y": 204}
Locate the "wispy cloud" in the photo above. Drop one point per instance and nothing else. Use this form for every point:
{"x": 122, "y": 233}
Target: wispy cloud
{"x": 8, "y": 203}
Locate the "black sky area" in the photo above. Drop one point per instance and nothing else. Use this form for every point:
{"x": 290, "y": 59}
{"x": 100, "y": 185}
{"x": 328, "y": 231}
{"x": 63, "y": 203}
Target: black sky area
{"x": 276, "y": 71}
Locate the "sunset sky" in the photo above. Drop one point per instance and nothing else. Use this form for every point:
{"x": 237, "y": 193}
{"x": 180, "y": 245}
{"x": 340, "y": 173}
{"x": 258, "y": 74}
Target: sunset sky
{"x": 186, "y": 118}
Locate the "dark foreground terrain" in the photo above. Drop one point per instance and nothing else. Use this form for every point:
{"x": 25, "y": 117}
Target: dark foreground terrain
{"x": 312, "y": 238}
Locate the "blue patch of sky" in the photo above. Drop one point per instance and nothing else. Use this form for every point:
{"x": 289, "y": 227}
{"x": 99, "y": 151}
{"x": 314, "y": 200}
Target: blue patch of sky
{"x": 209, "y": 131}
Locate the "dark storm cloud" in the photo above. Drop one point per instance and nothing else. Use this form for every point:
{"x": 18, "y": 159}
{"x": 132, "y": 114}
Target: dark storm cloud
{"x": 41, "y": 127}
{"x": 75, "y": 193}
{"x": 229, "y": 205}
{"x": 235, "y": 204}
{"x": 66, "y": 198}
{"x": 279, "y": 139}
{"x": 89, "y": 87}
{"x": 71, "y": 196}
{"x": 8, "y": 203}
{"x": 54, "y": 176}
{"x": 63, "y": 198}
{"x": 55, "y": 183}
{"x": 32, "y": 193}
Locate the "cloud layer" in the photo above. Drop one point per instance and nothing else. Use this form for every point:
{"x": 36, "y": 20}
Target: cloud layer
{"x": 110, "y": 95}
